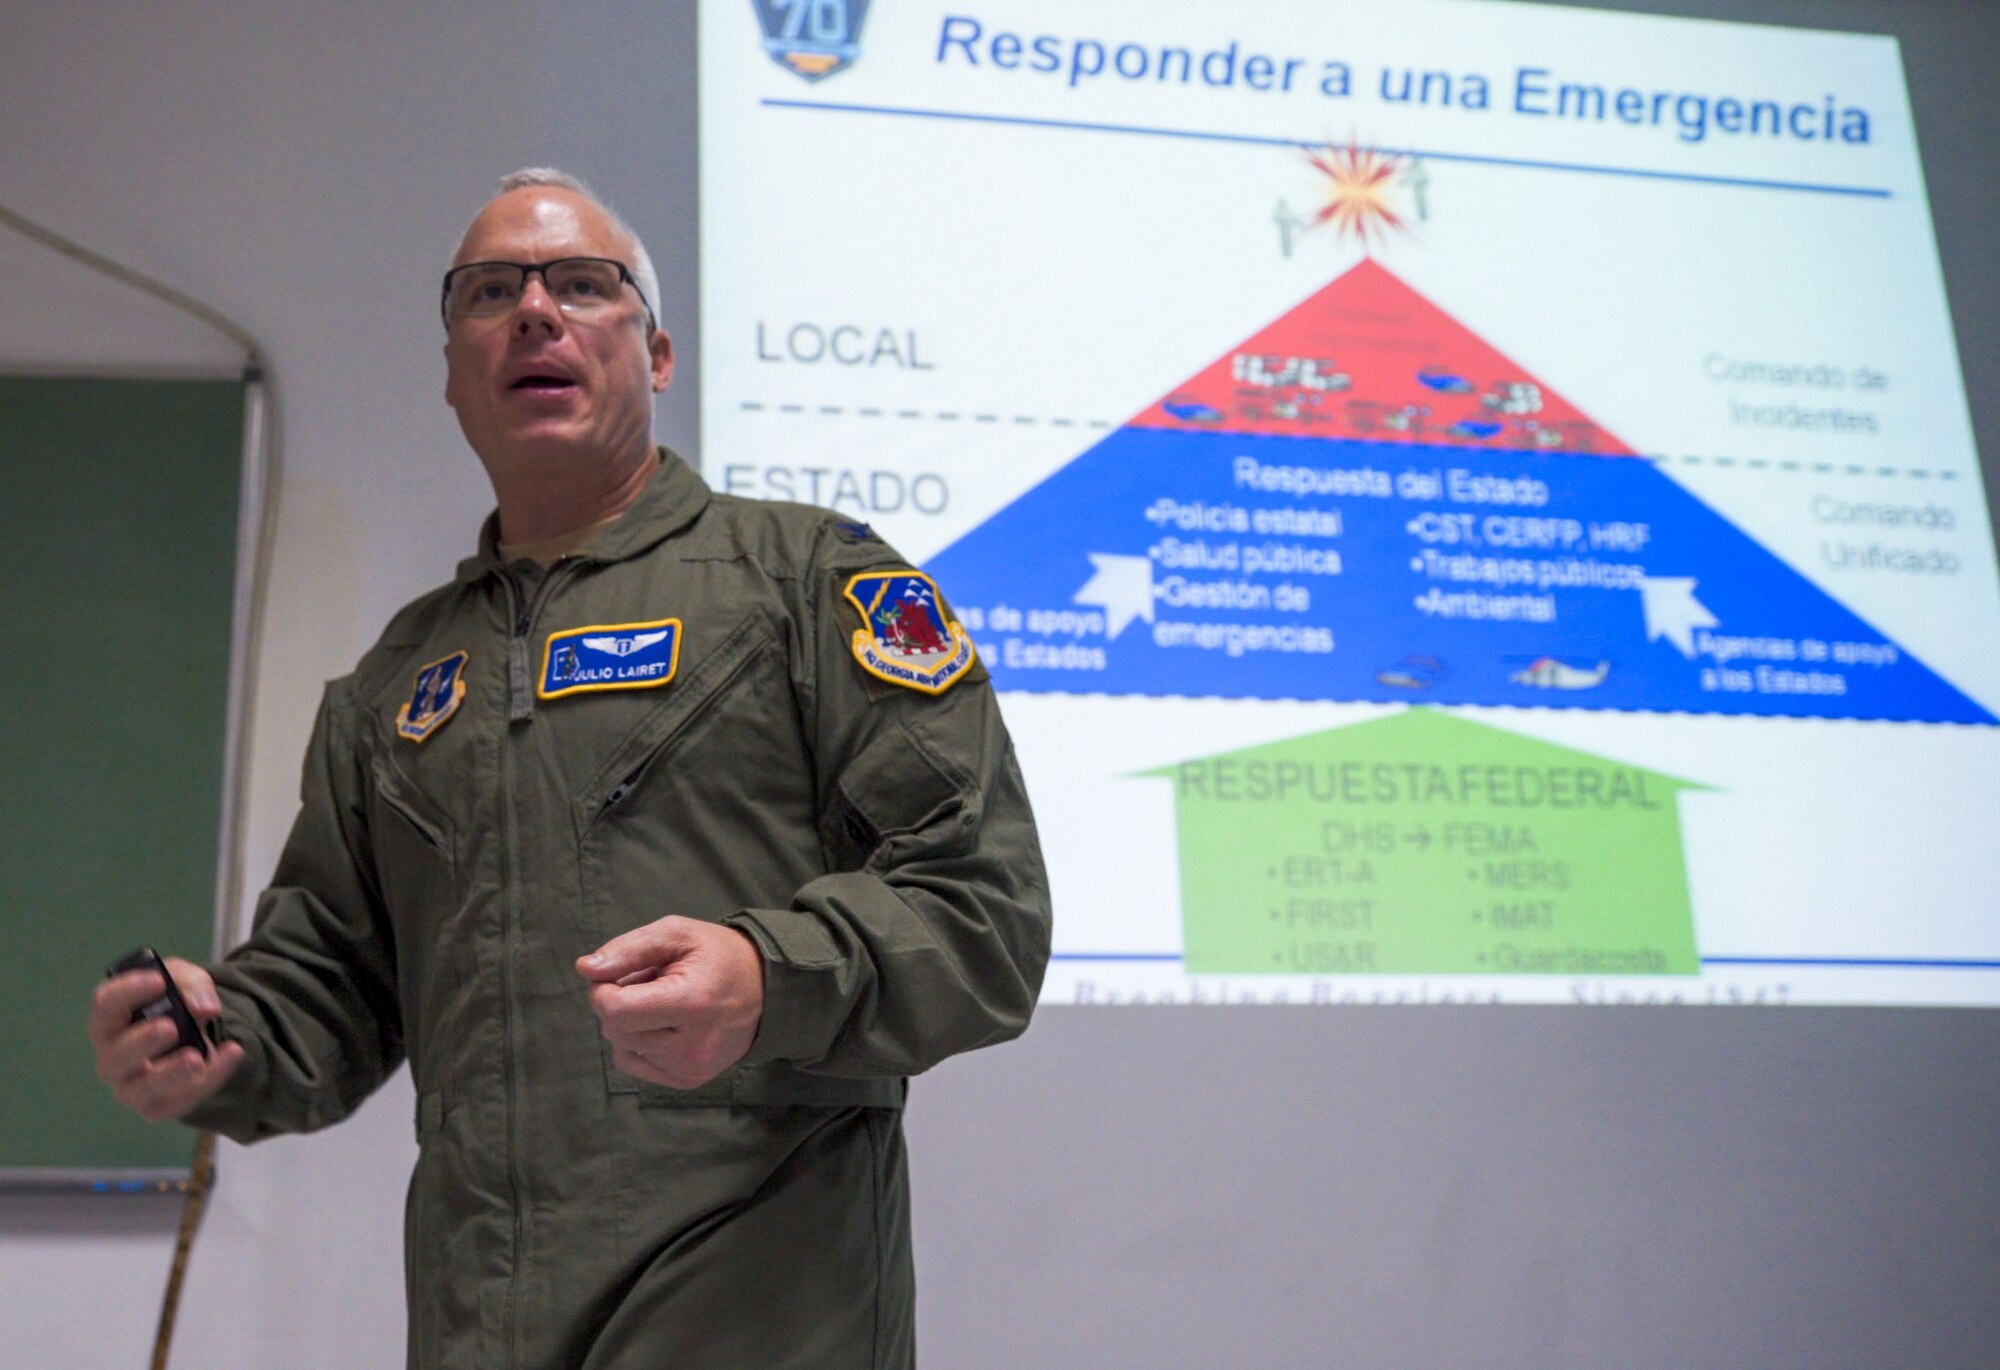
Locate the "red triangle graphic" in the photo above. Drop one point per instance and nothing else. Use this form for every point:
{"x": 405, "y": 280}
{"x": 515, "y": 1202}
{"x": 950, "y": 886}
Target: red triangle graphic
{"x": 1369, "y": 358}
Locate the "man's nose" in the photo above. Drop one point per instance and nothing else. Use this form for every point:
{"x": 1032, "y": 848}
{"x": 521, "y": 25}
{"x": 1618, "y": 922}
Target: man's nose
{"x": 536, "y": 307}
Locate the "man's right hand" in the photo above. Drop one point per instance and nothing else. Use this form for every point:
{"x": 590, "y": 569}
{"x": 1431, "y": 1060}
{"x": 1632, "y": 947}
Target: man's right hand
{"x": 167, "y": 1087}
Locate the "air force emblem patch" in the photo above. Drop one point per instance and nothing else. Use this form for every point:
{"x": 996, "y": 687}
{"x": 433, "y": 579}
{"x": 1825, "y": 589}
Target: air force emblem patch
{"x": 812, "y": 38}
{"x": 440, "y": 689}
{"x": 614, "y": 656}
{"x": 905, "y": 638}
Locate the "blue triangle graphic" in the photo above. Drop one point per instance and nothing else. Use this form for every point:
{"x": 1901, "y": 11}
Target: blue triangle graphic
{"x": 1281, "y": 567}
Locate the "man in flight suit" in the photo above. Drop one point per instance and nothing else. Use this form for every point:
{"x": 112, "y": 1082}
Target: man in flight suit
{"x": 663, "y": 843}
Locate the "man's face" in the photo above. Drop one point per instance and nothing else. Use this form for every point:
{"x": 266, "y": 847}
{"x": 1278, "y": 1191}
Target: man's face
{"x": 535, "y": 384}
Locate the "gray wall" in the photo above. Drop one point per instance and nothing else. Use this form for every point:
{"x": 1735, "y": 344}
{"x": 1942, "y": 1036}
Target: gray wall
{"x": 1293, "y": 1187}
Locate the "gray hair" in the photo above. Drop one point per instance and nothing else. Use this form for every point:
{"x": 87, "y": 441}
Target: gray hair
{"x": 642, "y": 261}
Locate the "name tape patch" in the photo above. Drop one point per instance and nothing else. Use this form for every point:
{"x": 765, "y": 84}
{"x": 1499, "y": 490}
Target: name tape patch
{"x": 610, "y": 656}
{"x": 439, "y": 690}
{"x": 905, "y": 638}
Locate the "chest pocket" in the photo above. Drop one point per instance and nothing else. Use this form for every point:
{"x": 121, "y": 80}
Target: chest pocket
{"x": 635, "y": 863}
{"x": 646, "y": 750}
{"x": 414, "y": 852}
{"x": 416, "y": 864}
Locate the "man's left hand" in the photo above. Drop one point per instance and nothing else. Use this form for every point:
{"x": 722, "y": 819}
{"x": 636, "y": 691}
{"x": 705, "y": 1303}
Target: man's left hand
{"x": 679, "y": 999}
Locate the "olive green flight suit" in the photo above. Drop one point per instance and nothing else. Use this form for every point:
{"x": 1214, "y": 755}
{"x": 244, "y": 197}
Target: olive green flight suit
{"x": 873, "y": 840}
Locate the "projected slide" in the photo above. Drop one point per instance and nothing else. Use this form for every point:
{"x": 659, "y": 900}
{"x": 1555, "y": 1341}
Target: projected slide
{"x": 1465, "y": 502}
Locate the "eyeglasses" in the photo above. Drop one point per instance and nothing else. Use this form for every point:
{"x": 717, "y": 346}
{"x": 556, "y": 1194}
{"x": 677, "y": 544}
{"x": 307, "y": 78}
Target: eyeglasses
{"x": 578, "y": 285}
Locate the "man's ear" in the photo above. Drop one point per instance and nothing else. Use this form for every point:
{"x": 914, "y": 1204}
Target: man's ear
{"x": 662, "y": 349}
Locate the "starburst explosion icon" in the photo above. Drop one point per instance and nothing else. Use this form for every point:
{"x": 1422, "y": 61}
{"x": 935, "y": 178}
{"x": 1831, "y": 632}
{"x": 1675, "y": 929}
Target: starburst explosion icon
{"x": 1357, "y": 188}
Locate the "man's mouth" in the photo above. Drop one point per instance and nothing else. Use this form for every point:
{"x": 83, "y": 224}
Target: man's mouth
{"x": 544, "y": 382}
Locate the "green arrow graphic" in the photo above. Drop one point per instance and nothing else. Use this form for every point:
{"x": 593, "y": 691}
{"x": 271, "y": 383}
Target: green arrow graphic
{"x": 1424, "y": 843}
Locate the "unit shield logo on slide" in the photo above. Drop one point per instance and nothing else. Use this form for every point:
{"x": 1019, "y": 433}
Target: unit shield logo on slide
{"x": 439, "y": 690}
{"x": 812, "y": 38}
{"x": 906, "y": 639}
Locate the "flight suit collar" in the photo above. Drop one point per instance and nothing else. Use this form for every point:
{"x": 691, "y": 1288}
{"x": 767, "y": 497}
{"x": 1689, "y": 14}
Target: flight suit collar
{"x": 672, "y": 499}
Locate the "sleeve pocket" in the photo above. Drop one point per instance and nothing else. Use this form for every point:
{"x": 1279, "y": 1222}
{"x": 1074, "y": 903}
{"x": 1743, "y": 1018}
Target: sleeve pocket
{"x": 895, "y": 785}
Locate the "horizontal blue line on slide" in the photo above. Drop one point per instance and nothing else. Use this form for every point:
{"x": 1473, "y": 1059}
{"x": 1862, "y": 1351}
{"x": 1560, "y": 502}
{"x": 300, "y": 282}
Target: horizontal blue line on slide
{"x": 1588, "y": 168}
{"x": 1706, "y": 960}
{"x": 1864, "y": 961}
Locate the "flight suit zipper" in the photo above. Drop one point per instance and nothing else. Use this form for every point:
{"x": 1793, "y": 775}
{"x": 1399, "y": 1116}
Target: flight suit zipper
{"x": 522, "y": 610}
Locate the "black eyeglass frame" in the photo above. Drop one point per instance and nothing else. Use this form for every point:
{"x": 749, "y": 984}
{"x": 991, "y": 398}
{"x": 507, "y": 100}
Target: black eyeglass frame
{"x": 527, "y": 269}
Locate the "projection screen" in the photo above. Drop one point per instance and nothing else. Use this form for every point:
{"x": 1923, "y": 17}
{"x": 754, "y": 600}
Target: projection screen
{"x": 1464, "y": 502}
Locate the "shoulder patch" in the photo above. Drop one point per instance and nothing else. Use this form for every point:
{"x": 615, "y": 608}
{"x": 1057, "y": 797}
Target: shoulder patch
{"x": 610, "y": 656}
{"x": 905, "y": 638}
{"x": 439, "y": 690}
{"x": 855, "y": 532}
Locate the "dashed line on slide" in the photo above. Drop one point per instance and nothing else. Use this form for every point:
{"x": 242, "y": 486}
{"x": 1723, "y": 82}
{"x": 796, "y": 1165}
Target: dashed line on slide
{"x": 1814, "y": 468}
{"x": 935, "y": 415}
{"x": 1809, "y": 468}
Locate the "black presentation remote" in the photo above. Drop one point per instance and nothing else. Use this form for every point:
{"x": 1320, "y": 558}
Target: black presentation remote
{"x": 168, "y": 1005}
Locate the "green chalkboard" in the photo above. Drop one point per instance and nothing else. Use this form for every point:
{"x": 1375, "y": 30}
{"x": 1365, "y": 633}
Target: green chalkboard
{"x": 117, "y": 574}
